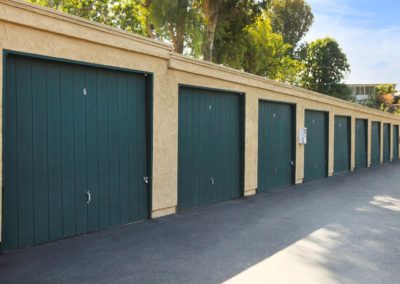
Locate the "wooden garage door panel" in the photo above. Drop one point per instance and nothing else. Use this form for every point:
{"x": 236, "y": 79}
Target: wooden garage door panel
{"x": 386, "y": 142}
{"x": 210, "y": 147}
{"x": 375, "y": 143}
{"x": 361, "y": 143}
{"x": 395, "y": 142}
{"x": 342, "y": 144}
{"x": 275, "y": 145}
{"x": 316, "y": 149}
{"x": 69, "y": 130}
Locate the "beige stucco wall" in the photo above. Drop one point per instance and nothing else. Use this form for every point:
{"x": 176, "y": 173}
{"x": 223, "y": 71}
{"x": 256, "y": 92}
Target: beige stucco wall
{"x": 36, "y": 30}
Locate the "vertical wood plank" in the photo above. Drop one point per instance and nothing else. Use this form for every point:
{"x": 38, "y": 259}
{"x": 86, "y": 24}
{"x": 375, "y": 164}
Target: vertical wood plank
{"x": 40, "y": 166}
{"x": 10, "y": 192}
{"x": 123, "y": 147}
{"x": 113, "y": 129}
{"x": 68, "y": 150}
{"x": 92, "y": 148}
{"x": 80, "y": 150}
{"x": 103, "y": 148}
{"x": 25, "y": 157}
{"x": 54, "y": 150}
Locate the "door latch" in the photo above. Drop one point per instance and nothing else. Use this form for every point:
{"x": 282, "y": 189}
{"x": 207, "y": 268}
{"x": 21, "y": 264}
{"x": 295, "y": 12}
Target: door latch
{"x": 292, "y": 163}
{"x": 146, "y": 180}
{"x": 88, "y": 197}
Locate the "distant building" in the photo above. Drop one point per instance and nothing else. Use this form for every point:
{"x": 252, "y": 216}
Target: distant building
{"x": 361, "y": 92}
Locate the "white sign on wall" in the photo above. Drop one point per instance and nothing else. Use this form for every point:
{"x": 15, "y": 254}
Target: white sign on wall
{"x": 303, "y": 135}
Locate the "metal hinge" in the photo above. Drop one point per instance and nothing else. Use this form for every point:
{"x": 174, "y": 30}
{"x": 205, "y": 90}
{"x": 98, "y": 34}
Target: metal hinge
{"x": 84, "y": 92}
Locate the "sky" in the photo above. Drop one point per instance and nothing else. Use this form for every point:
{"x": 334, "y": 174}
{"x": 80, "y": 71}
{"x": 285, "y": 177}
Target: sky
{"x": 368, "y": 32}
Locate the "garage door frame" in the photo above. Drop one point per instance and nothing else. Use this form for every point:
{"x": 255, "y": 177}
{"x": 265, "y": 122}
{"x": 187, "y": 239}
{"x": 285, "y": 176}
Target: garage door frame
{"x": 149, "y": 86}
{"x": 242, "y": 131}
{"x": 293, "y": 150}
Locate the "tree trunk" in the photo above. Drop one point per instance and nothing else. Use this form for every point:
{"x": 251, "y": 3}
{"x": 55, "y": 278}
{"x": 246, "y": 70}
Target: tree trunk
{"x": 179, "y": 40}
{"x": 208, "y": 45}
{"x": 149, "y": 26}
{"x": 179, "y": 35}
{"x": 211, "y": 9}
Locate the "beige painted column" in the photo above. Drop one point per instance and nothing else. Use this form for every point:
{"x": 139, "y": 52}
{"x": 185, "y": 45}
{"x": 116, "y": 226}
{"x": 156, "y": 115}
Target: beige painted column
{"x": 165, "y": 147}
{"x": 369, "y": 142}
{"x": 331, "y": 143}
{"x": 353, "y": 143}
{"x": 381, "y": 140}
{"x": 251, "y": 145}
{"x": 300, "y": 116}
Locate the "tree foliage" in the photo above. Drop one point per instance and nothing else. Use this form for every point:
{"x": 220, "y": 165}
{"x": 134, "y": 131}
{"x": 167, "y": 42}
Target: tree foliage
{"x": 325, "y": 67}
{"x": 290, "y": 18}
{"x": 266, "y": 54}
{"x": 232, "y": 30}
{"x": 129, "y": 15}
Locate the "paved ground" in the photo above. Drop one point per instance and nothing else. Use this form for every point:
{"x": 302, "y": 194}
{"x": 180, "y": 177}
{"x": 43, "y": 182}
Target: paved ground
{"x": 341, "y": 230}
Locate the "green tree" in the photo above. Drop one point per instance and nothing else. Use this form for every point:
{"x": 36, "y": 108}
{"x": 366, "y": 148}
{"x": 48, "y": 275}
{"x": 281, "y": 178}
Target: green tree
{"x": 178, "y": 21}
{"x": 98, "y": 11}
{"x": 385, "y": 98}
{"x": 231, "y": 33}
{"x": 290, "y": 18}
{"x": 266, "y": 54}
{"x": 129, "y": 15}
{"x": 325, "y": 67}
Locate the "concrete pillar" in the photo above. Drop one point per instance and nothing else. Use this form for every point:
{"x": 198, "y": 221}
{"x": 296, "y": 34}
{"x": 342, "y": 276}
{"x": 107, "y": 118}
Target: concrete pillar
{"x": 300, "y": 120}
{"x": 251, "y": 145}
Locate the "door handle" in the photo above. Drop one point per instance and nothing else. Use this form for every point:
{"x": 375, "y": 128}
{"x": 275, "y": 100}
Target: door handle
{"x": 88, "y": 197}
{"x": 212, "y": 181}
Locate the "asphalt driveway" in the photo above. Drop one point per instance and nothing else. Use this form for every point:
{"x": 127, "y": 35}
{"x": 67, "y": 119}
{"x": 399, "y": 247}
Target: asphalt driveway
{"x": 344, "y": 229}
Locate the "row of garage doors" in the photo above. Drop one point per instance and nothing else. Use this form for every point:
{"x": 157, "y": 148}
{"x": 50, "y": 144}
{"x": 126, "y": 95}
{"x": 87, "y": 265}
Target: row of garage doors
{"x": 77, "y": 148}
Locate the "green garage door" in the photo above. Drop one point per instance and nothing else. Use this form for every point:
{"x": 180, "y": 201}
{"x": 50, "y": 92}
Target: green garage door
{"x": 74, "y": 150}
{"x": 316, "y": 149}
{"x": 361, "y": 144}
{"x": 386, "y": 142}
{"x": 210, "y": 147}
{"x": 342, "y": 144}
{"x": 395, "y": 142}
{"x": 375, "y": 143}
{"x": 276, "y": 142}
